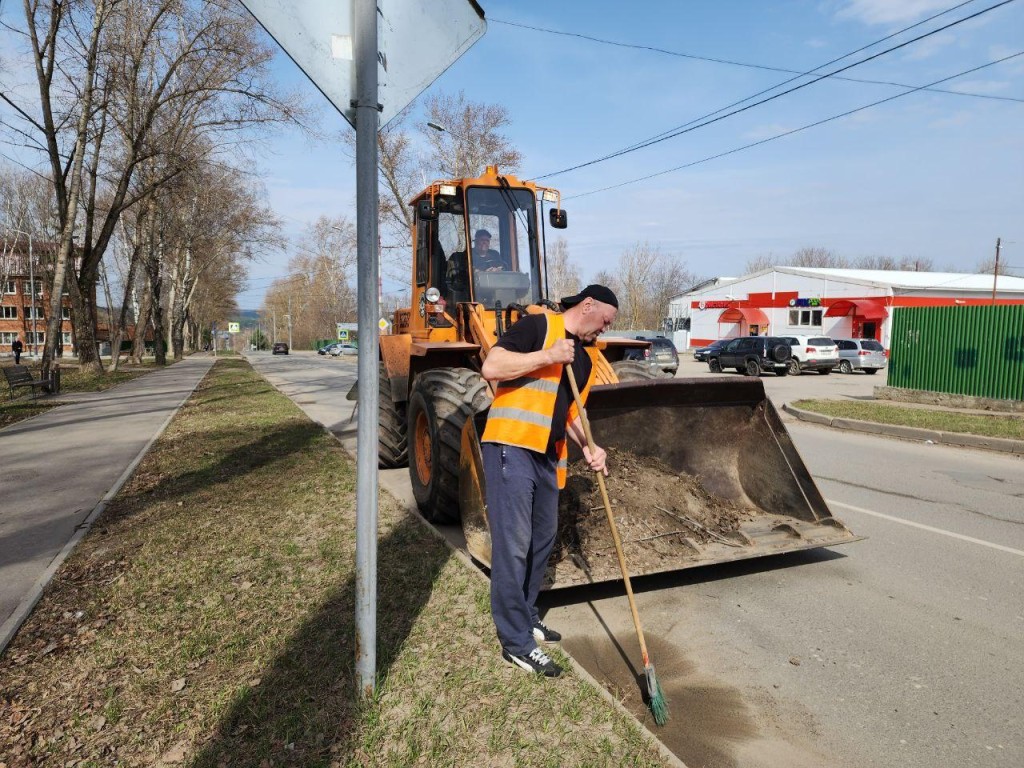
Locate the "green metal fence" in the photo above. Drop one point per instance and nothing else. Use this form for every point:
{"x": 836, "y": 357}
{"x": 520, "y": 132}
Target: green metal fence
{"x": 977, "y": 351}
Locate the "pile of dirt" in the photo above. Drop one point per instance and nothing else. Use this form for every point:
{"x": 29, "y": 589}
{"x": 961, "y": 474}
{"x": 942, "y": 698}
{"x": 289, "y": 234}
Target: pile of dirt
{"x": 663, "y": 516}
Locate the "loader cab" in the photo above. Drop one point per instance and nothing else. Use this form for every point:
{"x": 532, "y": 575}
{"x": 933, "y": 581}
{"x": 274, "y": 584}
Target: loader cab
{"x": 463, "y": 267}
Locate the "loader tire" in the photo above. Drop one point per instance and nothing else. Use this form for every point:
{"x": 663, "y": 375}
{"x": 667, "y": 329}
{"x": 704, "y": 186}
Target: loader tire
{"x": 632, "y": 370}
{"x": 392, "y": 438}
{"x": 439, "y": 404}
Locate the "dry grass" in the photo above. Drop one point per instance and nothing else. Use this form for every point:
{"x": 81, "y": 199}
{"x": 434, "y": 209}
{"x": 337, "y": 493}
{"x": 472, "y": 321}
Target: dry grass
{"x": 1003, "y": 425}
{"x": 207, "y": 620}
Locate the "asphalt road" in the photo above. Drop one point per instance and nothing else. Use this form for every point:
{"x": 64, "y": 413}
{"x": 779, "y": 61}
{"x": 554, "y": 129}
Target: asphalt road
{"x": 902, "y": 650}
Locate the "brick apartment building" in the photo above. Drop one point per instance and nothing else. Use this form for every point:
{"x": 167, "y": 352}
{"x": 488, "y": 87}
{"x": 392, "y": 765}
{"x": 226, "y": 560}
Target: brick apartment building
{"x": 20, "y": 316}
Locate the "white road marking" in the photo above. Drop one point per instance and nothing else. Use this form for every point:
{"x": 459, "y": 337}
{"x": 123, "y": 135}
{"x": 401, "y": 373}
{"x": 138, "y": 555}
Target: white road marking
{"x": 1000, "y": 547}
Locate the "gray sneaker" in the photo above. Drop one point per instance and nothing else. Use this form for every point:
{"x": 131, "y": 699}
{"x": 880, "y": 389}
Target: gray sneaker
{"x": 535, "y": 661}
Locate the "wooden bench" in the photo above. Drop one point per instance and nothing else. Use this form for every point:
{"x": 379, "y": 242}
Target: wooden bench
{"x": 18, "y": 376}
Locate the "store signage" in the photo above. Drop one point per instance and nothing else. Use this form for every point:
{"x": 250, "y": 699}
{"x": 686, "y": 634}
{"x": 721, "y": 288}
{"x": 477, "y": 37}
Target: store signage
{"x": 805, "y": 302}
{"x": 702, "y": 304}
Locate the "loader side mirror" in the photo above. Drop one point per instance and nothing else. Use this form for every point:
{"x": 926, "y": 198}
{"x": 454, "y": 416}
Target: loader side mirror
{"x": 426, "y": 211}
{"x": 559, "y": 218}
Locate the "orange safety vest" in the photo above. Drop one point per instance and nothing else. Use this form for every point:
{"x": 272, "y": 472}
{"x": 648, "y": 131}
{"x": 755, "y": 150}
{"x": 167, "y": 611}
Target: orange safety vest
{"x": 523, "y": 408}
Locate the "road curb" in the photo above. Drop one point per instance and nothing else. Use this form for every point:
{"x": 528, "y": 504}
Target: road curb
{"x": 956, "y": 439}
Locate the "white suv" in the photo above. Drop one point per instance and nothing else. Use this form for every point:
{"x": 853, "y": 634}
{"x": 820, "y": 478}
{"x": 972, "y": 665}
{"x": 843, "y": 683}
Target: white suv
{"x": 812, "y": 353}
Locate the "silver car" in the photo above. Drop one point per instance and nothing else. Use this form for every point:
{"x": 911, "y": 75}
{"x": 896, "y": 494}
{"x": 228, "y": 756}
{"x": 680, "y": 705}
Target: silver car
{"x": 342, "y": 349}
{"x": 860, "y": 354}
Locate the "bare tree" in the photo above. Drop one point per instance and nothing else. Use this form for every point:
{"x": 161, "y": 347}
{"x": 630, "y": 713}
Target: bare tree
{"x": 319, "y": 290}
{"x": 645, "y": 281}
{"x": 409, "y": 160}
{"x": 472, "y": 139}
{"x": 817, "y": 256}
{"x": 759, "y": 263}
{"x": 563, "y": 274}
{"x": 122, "y": 83}
{"x": 904, "y": 264}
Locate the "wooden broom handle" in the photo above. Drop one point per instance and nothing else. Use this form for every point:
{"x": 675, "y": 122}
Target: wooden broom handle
{"x": 608, "y": 512}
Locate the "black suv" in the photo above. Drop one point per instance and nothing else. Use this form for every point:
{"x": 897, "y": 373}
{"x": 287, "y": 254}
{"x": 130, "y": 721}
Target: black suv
{"x": 751, "y": 355}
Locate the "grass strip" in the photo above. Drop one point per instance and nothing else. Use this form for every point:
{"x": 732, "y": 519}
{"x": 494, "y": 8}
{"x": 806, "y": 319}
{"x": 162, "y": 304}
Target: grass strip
{"x": 207, "y": 620}
{"x": 1008, "y": 426}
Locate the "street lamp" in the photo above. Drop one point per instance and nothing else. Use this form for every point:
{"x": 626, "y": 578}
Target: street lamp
{"x": 460, "y": 139}
{"x": 31, "y": 290}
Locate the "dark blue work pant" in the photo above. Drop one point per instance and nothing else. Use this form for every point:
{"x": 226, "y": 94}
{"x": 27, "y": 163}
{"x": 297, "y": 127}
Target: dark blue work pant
{"x": 522, "y": 511}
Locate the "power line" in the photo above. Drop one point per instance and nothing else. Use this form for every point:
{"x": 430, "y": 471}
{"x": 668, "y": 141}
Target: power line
{"x": 795, "y": 130}
{"x": 748, "y": 65}
{"x": 690, "y": 126}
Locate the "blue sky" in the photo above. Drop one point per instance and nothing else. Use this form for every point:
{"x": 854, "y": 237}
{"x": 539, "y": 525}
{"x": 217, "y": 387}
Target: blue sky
{"x": 933, "y": 175}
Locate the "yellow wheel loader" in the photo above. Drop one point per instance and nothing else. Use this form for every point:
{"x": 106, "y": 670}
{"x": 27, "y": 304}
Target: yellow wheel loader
{"x": 478, "y": 265}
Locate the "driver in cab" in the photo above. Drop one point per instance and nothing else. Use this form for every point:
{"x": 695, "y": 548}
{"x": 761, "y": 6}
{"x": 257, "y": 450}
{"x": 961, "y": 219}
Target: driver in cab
{"x": 485, "y": 259}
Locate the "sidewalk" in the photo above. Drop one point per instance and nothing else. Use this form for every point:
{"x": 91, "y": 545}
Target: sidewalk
{"x": 60, "y": 468}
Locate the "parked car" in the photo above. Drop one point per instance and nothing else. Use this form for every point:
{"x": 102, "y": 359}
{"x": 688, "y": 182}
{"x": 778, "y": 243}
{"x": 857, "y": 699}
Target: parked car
{"x": 860, "y": 354}
{"x": 343, "y": 349}
{"x": 280, "y": 348}
{"x": 752, "y": 355}
{"x": 812, "y": 353}
{"x": 638, "y": 355}
{"x": 700, "y": 354}
{"x": 664, "y": 356}
{"x": 328, "y": 349}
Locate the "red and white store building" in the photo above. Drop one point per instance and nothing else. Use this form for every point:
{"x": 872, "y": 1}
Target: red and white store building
{"x": 810, "y": 301}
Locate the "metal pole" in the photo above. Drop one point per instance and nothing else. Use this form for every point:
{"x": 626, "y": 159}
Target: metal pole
{"x": 995, "y": 270}
{"x": 367, "y": 123}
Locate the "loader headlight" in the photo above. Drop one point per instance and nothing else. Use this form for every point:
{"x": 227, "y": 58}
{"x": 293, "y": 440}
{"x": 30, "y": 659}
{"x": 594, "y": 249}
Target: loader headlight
{"x": 433, "y": 294}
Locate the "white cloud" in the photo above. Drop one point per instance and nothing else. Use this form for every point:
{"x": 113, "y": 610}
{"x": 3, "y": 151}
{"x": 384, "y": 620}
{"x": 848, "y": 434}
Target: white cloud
{"x": 890, "y": 11}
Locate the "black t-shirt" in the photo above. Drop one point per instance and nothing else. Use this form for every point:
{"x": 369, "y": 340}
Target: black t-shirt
{"x": 527, "y": 335}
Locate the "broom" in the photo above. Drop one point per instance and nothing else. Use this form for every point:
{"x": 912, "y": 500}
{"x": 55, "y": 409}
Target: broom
{"x": 656, "y": 699}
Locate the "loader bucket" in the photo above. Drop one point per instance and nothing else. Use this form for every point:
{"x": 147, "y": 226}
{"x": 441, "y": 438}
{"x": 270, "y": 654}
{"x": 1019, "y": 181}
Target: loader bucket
{"x": 723, "y": 431}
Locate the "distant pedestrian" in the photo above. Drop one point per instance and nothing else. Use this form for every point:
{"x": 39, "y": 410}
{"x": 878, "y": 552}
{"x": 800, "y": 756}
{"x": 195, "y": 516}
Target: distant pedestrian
{"x": 16, "y": 348}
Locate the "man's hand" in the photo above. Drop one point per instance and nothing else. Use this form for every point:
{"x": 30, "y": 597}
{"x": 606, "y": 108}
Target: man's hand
{"x": 596, "y": 458}
{"x": 562, "y": 351}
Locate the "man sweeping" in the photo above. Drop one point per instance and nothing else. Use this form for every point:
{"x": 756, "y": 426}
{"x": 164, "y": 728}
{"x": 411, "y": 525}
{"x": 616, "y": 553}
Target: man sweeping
{"x": 525, "y": 454}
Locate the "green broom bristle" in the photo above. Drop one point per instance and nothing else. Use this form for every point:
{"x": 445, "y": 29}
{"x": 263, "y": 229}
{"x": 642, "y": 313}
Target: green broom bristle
{"x": 658, "y": 704}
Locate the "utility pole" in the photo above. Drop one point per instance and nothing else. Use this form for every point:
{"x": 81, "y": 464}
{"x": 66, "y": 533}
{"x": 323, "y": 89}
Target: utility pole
{"x": 995, "y": 271}
{"x": 274, "y": 334}
{"x": 289, "y": 323}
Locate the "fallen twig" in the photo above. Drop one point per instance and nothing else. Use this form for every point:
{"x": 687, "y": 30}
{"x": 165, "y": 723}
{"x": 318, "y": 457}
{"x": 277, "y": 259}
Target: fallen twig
{"x": 683, "y": 519}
